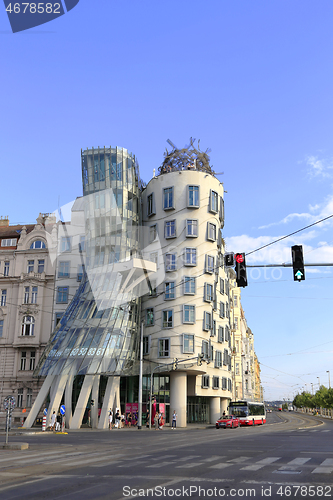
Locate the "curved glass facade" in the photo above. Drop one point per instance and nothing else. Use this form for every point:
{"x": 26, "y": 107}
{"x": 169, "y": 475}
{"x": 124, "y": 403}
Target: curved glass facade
{"x": 98, "y": 334}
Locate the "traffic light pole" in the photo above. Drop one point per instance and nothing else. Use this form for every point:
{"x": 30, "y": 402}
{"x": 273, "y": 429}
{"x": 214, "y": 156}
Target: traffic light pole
{"x": 288, "y": 265}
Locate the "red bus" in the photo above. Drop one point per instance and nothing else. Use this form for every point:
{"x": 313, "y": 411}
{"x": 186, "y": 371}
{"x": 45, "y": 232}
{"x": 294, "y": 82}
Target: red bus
{"x": 248, "y": 412}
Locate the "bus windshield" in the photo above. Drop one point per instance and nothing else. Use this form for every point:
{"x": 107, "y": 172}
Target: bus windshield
{"x": 239, "y": 411}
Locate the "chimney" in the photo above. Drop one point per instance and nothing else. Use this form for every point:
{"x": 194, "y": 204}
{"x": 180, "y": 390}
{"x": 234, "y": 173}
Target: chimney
{"x": 4, "y": 222}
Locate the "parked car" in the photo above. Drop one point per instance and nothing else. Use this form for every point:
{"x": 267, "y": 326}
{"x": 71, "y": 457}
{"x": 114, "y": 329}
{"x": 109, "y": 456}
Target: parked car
{"x": 227, "y": 421}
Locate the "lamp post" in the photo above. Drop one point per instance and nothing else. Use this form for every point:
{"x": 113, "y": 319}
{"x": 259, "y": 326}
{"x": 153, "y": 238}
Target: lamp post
{"x": 318, "y": 382}
{"x": 140, "y": 378}
{"x": 329, "y": 379}
{"x": 312, "y": 388}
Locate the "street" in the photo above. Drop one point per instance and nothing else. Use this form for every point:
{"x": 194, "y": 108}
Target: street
{"x": 284, "y": 458}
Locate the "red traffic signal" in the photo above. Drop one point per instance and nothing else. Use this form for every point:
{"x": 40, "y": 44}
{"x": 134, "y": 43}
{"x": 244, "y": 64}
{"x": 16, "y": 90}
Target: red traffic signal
{"x": 240, "y": 269}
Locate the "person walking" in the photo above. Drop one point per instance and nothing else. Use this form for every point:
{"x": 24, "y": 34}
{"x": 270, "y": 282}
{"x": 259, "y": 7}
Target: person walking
{"x": 53, "y": 421}
{"x": 110, "y": 419}
{"x": 174, "y": 420}
{"x": 156, "y": 421}
{"x": 117, "y": 418}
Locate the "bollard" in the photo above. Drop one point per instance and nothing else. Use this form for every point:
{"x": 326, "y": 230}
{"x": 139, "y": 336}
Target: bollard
{"x": 44, "y": 423}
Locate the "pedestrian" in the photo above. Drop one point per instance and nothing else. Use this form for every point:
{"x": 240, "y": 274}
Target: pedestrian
{"x": 129, "y": 419}
{"x": 147, "y": 418}
{"x": 174, "y": 420}
{"x": 53, "y": 420}
{"x": 161, "y": 422}
{"x": 110, "y": 419}
{"x": 117, "y": 419}
{"x": 156, "y": 421}
{"x": 89, "y": 416}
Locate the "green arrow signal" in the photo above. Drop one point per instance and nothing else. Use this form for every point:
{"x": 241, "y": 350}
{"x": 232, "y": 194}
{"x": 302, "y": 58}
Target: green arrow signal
{"x": 299, "y": 275}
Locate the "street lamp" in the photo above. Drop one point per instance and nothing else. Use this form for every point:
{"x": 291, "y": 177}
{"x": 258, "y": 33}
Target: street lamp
{"x": 312, "y": 388}
{"x": 318, "y": 381}
{"x": 329, "y": 379}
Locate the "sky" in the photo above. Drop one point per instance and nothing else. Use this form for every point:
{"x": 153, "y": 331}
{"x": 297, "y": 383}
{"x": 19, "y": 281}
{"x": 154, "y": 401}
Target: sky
{"x": 252, "y": 80}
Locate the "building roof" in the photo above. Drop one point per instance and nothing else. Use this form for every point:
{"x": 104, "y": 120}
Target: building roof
{"x": 14, "y": 231}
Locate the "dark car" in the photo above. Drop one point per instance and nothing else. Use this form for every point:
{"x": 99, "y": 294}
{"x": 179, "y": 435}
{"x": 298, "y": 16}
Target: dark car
{"x": 227, "y": 421}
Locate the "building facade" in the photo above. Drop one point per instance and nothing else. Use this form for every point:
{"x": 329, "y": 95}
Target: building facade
{"x": 26, "y": 288}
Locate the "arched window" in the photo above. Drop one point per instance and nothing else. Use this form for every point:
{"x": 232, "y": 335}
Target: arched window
{"x": 37, "y": 244}
{"x": 28, "y": 326}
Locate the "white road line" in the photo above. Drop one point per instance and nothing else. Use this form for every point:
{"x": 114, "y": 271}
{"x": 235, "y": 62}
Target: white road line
{"x": 261, "y": 463}
{"x": 239, "y": 460}
{"x": 189, "y": 466}
{"x": 328, "y": 462}
{"x": 298, "y": 461}
{"x": 322, "y": 470}
{"x": 212, "y": 458}
{"x": 220, "y": 466}
{"x": 156, "y": 466}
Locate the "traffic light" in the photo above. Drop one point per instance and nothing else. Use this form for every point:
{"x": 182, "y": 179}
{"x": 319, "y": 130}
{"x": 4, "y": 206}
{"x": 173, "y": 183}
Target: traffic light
{"x": 298, "y": 263}
{"x": 200, "y": 358}
{"x": 175, "y": 364}
{"x": 240, "y": 269}
{"x": 228, "y": 259}
{"x": 92, "y": 402}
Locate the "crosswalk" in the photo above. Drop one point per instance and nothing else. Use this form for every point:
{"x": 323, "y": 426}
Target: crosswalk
{"x": 119, "y": 460}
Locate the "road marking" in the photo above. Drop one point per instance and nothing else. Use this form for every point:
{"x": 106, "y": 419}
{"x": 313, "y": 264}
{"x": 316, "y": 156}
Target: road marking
{"x": 239, "y": 460}
{"x": 212, "y": 458}
{"x": 220, "y": 466}
{"x": 299, "y": 461}
{"x": 261, "y": 463}
{"x": 155, "y": 466}
{"x": 322, "y": 470}
{"x": 189, "y": 466}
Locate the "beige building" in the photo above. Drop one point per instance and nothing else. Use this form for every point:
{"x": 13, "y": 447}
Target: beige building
{"x": 26, "y": 290}
{"x": 188, "y": 312}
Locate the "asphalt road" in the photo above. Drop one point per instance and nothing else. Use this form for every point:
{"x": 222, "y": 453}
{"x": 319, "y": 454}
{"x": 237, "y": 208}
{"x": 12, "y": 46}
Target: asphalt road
{"x": 289, "y": 457}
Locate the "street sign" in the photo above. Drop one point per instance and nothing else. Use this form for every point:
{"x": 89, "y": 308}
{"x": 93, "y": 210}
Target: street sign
{"x": 62, "y": 409}
{"x": 9, "y": 402}
{"x": 45, "y": 411}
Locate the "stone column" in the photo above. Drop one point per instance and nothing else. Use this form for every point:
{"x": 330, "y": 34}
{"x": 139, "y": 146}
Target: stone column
{"x": 214, "y": 409}
{"x": 178, "y": 397}
{"x": 224, "y": 405}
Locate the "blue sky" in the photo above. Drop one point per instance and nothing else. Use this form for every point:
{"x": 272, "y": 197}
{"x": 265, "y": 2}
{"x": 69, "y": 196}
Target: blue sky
{"x": 252, "y": 80}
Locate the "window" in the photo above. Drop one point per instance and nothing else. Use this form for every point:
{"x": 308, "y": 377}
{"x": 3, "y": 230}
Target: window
{"x": 209, "y": 264}
{"x": 26, "y": 294}
{"x": 220, "y": 336}
{"x": 34, "y": 295}
{"x": 65, "y": 244}
{"x": 213, "y": 206}
{"x": 57, "y": 317}
{"x": 188, "y": 314}
{"x": 216, "y": 382}
{"x": 225, "y": 357}
{"x": 31, "y": 266}
{"x": 211, "y": 231}
{"x": 79, "y": 275}
{"x": 205, "y": 381}
{"x": 188, "y": 343}
{"x": 150, "y": 316}
{"x": 170, "y": 262}
{"x": 167, "y": 318}
{"x": 208, "y": 292}
{"x": 19, "y": 398}
{"x": 62, "y": 294}
{"x": 82, "y": 244}
{"x": 152, "y": 233}
{"x": 168, "y": 198}
{"x": 32, "y": 360}
{"x": 41, "y": 265}
{"x": 3, "y": 297}
{"x": 146, "y": 345}
{"x": 218, "y": 359}
{"x": 222, "y": 310}
{"x": 237, "y": 368}
{"x": 229, "y": 385}
{"x": 190, "y": 257}
{"x": 153, "y": 289}
{"x": 1, "y": 328}
{"x": 163, "y": 348}
{"x": 213, "y": 330}
{"x": 64, "y": 269}
{"x": 207, "y": 321}
{"x": 189, "y": 285}
{"x": 153, "y": 257}
{"x": 191, "y": 228}
{"x": 224, "y": 384}
{"x": 29, "y": 398}
{"x": 169, "y": 291}
{"x": 235, "y": 301}
{"x": 38, "y": 244}
{"x": 221, "y": 212}
{"x": 205, "y": 349}
{"x": 9, "y": 242}
{"x": 23, "y": 360}
{"x": 6, "y": 269}
{"x": 236, "y": 323}
{"x": 28, "y": 326}
{"x": 170, "y": 229}
{"x": 150, "y": 205}
{"x": 193, "y": 196}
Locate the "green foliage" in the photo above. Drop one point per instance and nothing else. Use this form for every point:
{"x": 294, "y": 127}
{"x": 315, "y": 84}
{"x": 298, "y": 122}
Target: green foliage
{"x": 323, "y": 398}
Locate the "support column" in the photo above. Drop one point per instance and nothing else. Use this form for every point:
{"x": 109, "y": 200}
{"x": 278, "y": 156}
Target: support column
{"x": 214, "y": 409}
{"x": 68, "y": 400}
{"x": 178, "y": 397}
{"x": 224, "y": 405}
{"x": 44, "y": 390}
{"x": 94, "y": 409}
{"x": 111, "y": 400}
{"x": 57, "y": 391}
{"x": 82, "y": 401}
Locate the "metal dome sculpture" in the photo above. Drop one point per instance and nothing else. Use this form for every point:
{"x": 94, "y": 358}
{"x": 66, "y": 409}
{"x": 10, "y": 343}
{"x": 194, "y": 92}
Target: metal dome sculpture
{"x": 188, "y": 158}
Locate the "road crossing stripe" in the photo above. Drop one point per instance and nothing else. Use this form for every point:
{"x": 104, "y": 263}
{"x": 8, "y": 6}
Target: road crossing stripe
{"x": 261, "y": 463}
{"x": 189, "y": 466}
{"x": 328, "y": 462}
{"x": 156, "y": 466}
{"x": 220, "y": 466}
{"x": 322, "y": 470}
{"x": 298, "y": 461}
{"x": 239, "y": 460}
{"x": 212, "y": 459}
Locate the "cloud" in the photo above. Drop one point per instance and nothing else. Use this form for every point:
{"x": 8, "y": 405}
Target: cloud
{"x": 322, "y": 168}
